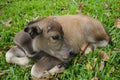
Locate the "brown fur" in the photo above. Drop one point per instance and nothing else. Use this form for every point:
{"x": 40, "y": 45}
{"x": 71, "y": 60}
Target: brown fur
{"x": 79, "y": 30}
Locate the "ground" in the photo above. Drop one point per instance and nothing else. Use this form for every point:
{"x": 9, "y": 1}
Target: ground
{"x": 14, "y": 15}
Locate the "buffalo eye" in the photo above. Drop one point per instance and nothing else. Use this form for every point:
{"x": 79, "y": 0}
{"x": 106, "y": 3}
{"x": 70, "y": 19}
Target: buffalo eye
{"x": 56, "y": 37}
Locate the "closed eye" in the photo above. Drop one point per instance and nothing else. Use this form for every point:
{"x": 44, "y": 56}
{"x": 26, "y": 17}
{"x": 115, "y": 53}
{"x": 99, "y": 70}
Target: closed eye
{"x": 56, "y": 37}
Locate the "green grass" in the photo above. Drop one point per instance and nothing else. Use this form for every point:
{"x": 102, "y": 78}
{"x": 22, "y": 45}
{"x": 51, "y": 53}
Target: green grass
{"x": 107, "y": 11}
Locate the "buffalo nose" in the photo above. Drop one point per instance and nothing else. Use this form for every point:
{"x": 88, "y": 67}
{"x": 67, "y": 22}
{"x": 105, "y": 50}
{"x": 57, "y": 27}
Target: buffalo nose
{"x": 72, "y": 53}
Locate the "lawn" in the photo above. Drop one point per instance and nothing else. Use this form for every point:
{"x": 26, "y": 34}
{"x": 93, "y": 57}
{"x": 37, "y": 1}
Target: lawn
{"x": 14, "y": 15}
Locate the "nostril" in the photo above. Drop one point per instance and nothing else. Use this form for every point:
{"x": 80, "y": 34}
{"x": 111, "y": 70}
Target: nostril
{"x": 72, "y": 53}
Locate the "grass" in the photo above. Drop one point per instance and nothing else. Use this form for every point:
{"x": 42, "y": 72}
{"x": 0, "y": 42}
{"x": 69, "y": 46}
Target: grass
{"x": 21, "y": 11}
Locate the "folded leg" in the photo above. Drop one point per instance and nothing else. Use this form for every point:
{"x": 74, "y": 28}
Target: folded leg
{"x": 17, "y": 56}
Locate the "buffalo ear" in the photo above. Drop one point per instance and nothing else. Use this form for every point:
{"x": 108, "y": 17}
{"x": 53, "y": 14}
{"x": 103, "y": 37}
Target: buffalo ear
{"x": 26, "y": 29}
{"x": 38, "y": 30}
{"x": 33, "y": 31}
